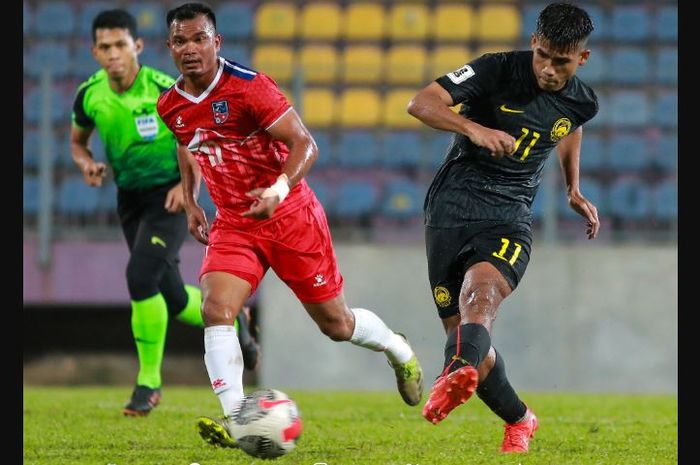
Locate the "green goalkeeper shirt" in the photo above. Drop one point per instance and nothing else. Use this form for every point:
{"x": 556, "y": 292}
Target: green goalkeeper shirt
{"x": 139, "y": 147}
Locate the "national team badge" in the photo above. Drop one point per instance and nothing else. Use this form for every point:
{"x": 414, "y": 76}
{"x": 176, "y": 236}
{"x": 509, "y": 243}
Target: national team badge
{"x": 220, "y": 110}
{"x": 442, "y": 296}
{"x": 560, "y": 129}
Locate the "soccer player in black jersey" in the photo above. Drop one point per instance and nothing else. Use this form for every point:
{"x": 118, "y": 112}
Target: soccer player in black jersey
{"x": 516, "y": 107}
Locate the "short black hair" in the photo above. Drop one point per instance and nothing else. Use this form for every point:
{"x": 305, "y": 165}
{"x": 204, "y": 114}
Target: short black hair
{"x": 564, "y": 26}
{"x": 190, "y": 11}
{"x": 114, "y": 19}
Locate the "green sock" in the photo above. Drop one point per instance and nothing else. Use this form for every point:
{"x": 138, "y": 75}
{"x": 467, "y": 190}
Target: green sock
{"x": 192, "y": 313}
{"x": 149, "y": 323}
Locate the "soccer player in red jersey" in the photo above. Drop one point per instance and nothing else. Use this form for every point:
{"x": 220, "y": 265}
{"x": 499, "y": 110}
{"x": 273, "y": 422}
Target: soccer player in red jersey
{"x": 235, "y": 125}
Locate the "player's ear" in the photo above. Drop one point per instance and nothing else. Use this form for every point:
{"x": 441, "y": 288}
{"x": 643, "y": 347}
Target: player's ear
{"x": 533, "y": 41}
{"x": 217, "y": 41}
{"x": 138, "y": 44}
{"x": 583, "y": 57}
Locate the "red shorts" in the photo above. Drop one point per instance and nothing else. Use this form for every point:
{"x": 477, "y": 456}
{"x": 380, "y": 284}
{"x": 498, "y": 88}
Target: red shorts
{"x": 297, "y": 246}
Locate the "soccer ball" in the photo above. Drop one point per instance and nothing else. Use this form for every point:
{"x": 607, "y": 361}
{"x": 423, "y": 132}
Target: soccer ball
{"x": 267, "y": 425}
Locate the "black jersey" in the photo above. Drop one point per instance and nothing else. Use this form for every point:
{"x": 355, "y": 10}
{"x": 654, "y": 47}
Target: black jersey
{"x": 500, "y": 91}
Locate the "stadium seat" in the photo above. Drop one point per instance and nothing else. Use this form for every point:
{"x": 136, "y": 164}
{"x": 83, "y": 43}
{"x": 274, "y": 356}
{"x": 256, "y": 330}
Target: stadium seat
{"x": 364, "y": 21}
{"x": 234, "y": 20}
{"x": 206, "y": 203}
{"x": 630, "y": 66}
{"x": 88, "y": 11}
{"x": 320, "y": 21}
{"x": 319, "y": 107}
{"x": 401, "y": 149}
{"x": 601, "y": 23}
{"x": 324, "y": 193}
{"x": 150, "y": 18}
{"x": 150, "y": 56}
{"x": 83, "y": 64}
{"x": 232, "y": 52}
{"x": 59, "y": 110}
{"x": 665, "y": 200}
{"x": 319, "y": 63}
{"x": 408, "y": 21}
{"x": 402, "y": 198}
{"x": 666, "y": 109}
{"x": 54, "y": 19}
{"x": 630, "y": 23}
{"x": 26, "y": 18}
{"x": 276, "y": 61}
{"x": 498, "y": 23}
{"x": 48, "y": 54}
{"x": 357, "y": 149}
{"x": 666, "y": 66}
{"x": 665, "y": 153}
{"x": 529, "y": 19}
{"x": 629, "y": 199}
{"x": 394, "y": 114}
{"x": 326, "y": 156}
{"x": 592, "y": 190}
{"x": 76, "y": 197}
{"x": 107, "y": 197}
{"x": 666, "y": 23}
{"x": 447, "y": 58}
{"x": 596, "y": 70}
{"x": 602, "y": 118}
{"x": 31, "y": 149}
{"x": 629, "y": 108}
{"x": 30, "y": 195}
{"x": 275, "y": 20}
{"x": 453, "y": 22}
{"x": 628, "y": 153}
{"x": 356, "y": 198}
{"x": 362, "y": 64}
{"x": 405, "y": 64}
{"x": 436, "y": 148}
{"x": 360, "y": 107}
{"x": 593, "y": 152}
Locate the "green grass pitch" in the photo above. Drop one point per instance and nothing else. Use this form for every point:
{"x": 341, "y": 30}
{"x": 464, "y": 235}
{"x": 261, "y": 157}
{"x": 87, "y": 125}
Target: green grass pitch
{"x": 84, "y": 426}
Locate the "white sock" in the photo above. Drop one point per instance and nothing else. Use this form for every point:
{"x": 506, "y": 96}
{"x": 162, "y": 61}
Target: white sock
{"x": 371, "y": 332}
{"x": 224, "y": 362}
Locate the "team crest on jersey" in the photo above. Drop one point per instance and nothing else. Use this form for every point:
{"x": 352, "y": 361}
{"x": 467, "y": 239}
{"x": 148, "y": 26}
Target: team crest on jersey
{"x": 220, "y": 110}
{"x": 442, "y": 296}
{"x": 560, "y": 129}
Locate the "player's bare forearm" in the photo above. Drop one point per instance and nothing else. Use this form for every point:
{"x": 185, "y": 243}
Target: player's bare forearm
{"x": 431, "y": 106}
{"x": 190, "y": 175}
{"x": 303, "y": 151}
{"x": 569, "y": 149}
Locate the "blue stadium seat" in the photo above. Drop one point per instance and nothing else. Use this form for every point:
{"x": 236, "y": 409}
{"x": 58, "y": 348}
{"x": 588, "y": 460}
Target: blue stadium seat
{"x": 666, "y": 66}
{"x": 666, "y": 109}
{"x": 54, "y": 19}
{"x": 234, "y": 20}
{"x": 107, "y": 197}
{"x": 48, "y": 54}
{"x": 630, "y": 199}
{"x": 206, "y": 203}
{"x": 596, "y": 69}
{"x": 150, "y": 56}
{"x": 401, "y": 149}
{"x": 356, "y": 198}
{"x": 592, "y": 190}
{"x": 31, "y": 148}
{"x": 665, "y": 200}
{"x": 604, "y": 113}
{"x": 529, "y": 21}
{"x": 665, "y": 153}
{"x": 235, "y": 52}
{"x": 150, "y": 17}
{"x": 357, "y": 149}
{"x": 628, "y": 153}
{"x": 593, "y": 152}
{"x": 84, "y": 64}
{"x": 88, "y": 11}
{"x": 629, "y": 65}
{"x": 26, "y": 18}
{"x": 600, "y": 22}
{"x": 666, "y": 23}
{"x": 403, "y": 198}
{"x": 325, "y": 149}
{"x": 76, "y": 197}
{"x": 629, "y": 108}
{"x": 30, "y": 195}
{"x": 630, "y": 23}
{"x": 32, "y": 106}
{"x": 436, "y": 148}
{"x": 324, "y": 193}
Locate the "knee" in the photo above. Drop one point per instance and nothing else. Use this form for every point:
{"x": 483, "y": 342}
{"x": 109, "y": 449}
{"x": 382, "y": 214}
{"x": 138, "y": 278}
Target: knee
{"x": 336, "y": 328}
{"x": 217, "y": 311}
{"x": 480, "y": 299}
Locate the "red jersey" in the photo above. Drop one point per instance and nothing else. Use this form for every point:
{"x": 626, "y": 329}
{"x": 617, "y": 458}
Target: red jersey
{"x": 225, "y": 128}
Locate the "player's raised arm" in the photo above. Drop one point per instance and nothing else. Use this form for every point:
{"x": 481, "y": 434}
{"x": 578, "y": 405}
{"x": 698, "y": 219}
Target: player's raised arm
{"x": 303, "y": 152}
{"x": 569, "y": 150}
{"x": 191, "y": 177}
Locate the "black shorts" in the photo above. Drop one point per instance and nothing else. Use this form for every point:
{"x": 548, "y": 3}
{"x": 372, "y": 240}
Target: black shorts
{"x": 451, "y": 251}
{"x": 148, "y": 227}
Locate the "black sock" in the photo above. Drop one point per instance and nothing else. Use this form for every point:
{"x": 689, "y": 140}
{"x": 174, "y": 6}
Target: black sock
{"x": 499, "y": 395}
{"x": 466, "y": 345}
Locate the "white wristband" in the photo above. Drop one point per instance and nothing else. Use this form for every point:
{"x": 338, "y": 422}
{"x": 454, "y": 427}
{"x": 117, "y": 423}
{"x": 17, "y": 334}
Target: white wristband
{"x": 280, "y": 188}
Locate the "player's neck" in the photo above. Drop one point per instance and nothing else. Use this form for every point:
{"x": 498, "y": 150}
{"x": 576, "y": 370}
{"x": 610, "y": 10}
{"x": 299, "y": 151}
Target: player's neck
{"x": 123, "y": 84}
{"x": 195, "y": 86}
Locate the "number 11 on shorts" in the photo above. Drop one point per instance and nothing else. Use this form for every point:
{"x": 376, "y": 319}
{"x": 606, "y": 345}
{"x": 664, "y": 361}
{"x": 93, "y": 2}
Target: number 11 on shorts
{"x": 501, "y": 253}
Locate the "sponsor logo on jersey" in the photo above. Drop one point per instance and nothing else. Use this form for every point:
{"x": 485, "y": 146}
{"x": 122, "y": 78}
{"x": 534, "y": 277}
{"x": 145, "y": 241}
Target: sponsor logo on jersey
{"x": 442, "y": 296}
{"x": 220, "y": 109}
{"x": 560, "y": 129}
{"x": 461, "y": 75}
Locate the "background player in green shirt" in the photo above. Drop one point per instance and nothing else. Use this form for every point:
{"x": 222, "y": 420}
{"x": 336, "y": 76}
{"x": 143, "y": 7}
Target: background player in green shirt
{"x": 120, "y": 101}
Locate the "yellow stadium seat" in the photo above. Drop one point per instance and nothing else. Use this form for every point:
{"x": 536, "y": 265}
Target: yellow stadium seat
{"x": 453, "y": 22}
{"x": 364, "y": 21}
{"x": 447, "y": 58}
{"x": 320, "y": 21}
{"x": 405, "y": 64}
{"x": 275, "y": 21}
{"x": 319, "y": 107}
{"x": 362, "y": 64}
{"x": 276, "y": 61}
{"x": 319, "y": 63}
{"x": 360, "y": 107}
{"x": 498, "y": 23}
{"x": 493, "y": 48}
{"x": 408, "y": 21}
{"x": 394, "y": 114}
